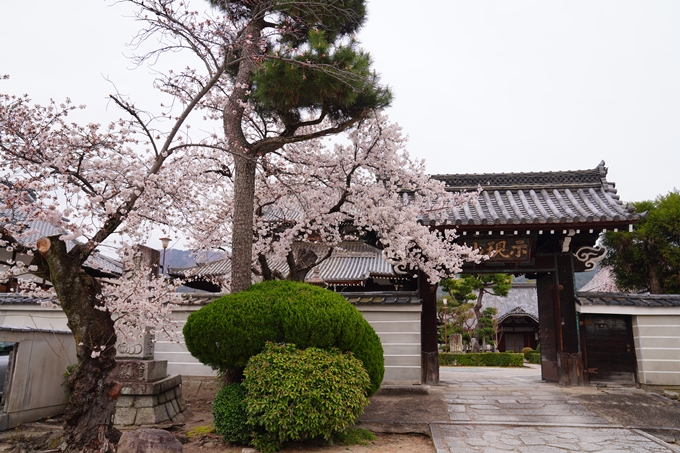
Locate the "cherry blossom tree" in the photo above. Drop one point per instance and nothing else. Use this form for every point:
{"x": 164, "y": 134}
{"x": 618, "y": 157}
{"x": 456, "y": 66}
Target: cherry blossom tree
{"x": 278, "y": 76}
{"x": 148, "y": 169}
{"x": 311, "y": 196}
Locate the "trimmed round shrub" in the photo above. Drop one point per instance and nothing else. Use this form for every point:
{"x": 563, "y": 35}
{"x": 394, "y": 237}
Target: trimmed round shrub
{"x": 229, "y": 414}
{"x": 370, "y": 352}
{"x": 526, "y": 352}
{"x": 294, "y": 394}
{"x": 233, "y": 328}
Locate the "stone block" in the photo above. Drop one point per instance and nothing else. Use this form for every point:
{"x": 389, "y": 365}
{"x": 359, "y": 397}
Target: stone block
{"x": 125, "y": 401}
{"x": 151, "y": 415}
{"x": 456, "y": 342}
{"x": 140, "y": 346}
{"x": 162, "y": 399}
{"x": 182, "y": 404}
{"x": 140, "y": 370}
{"x": 179, "y": 418}
{"x": 149, "y": 441}
{"x": 170, "y": 409}
{"x": 202, "y": 388}
{"x": 125, "y": 416}
{"x": 146, "y": 401}
{"x": 175, "y": 406}
{"x": 151, "y": 388}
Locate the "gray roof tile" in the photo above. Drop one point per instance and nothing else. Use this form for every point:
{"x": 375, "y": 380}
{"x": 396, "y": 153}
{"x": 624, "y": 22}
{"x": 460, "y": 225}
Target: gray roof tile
{"x": 538, "y": 198}
{"x": 349, "y": 262}
{"x": 522, "y": 296}
{"x": 628, "y": 300}
{"x": 19, "y": 298}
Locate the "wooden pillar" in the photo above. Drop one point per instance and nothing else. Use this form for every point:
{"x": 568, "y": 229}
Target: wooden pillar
{"x": 428, "y": 332}
{"x": 547, "y": 325}
{"x": 570, "y": 361}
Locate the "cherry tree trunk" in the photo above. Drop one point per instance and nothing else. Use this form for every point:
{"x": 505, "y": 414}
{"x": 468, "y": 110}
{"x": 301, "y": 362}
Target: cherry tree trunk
{"x": 242, "y": 234}
{"x": 88, "y": 422}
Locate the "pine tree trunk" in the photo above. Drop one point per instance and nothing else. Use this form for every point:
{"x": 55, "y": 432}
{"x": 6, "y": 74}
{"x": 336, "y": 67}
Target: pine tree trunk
{"x": 242, "y": 234}
{"x": 88, "y": 422}
{"x": 654, "y": 282}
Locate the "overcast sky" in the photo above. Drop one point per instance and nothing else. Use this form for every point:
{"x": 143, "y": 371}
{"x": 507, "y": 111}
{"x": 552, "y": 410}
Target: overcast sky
{"x": 480, "y": 86}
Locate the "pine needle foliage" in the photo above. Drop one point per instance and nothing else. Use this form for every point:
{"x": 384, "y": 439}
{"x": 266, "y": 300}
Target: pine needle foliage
{"x": 648, "y": 258}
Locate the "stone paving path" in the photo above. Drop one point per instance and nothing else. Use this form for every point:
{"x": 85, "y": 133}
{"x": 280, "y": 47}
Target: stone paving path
{"x": 505, "y": 410}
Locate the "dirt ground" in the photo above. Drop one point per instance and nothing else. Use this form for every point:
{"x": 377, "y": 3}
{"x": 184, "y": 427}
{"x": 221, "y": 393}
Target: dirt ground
{"x": 202, "y": 417}
{"x": 43, "y": 436}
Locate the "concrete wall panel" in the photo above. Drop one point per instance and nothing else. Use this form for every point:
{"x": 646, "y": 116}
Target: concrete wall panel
{"x": 657, "y": 348}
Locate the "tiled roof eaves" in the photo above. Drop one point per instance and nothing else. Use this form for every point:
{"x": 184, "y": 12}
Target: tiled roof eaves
{"x": 628, "y": 300}
{"x": 526, "y": 180}
{"x": 21, "y": 299}
{"x": 4, "y": 328}
{"x": 558, "y": 198}
{"x": 384, "y": 298}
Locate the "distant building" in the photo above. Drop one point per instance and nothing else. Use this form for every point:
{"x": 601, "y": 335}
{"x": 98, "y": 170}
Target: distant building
{"x": 517, "y": 317}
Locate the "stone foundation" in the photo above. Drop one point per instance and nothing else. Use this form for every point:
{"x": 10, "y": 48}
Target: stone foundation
{"x": 149, "y": 396}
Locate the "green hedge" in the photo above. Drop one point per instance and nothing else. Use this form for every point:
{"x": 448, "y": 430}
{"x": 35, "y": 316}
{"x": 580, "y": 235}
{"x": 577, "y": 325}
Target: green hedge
{"x": 229, "y": 414}
{"x": 296, "y": 394}
{"x": 482, "y": 359}
{"x": 228, "y": 332}
{"x": 534, "y": 357}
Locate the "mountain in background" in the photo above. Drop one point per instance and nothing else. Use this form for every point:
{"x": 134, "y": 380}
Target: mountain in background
{"x": 184, "y": 258}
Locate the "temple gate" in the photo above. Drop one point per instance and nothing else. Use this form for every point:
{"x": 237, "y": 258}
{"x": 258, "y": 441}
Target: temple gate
{"x": 544, "y": 225}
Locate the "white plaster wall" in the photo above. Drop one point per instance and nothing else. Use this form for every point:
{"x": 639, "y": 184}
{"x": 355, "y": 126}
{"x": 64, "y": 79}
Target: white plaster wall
{"x": 657, "y": 348}
{"x": 33, "y": 316}
{"x": 180, "y": 361}
{"x": 398, "y": 327}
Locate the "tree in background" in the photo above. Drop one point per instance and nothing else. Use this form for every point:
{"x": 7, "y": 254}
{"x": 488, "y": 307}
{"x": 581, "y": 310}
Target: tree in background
{"x": 648, "y": 258}
{"x": 298, "y": 76}
{"x": 460, "y": 319}
{"x": 472, "y": 287}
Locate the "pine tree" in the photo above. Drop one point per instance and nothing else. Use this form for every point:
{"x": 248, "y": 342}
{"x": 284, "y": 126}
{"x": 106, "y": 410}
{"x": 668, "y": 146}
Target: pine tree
{"x": 300, "y": 66}
{"x": 648, "y": 258}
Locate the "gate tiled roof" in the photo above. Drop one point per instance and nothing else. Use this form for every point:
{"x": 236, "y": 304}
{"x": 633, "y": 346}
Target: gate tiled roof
{"x": 628, "y": 300}
{"x": 564, "y": 197}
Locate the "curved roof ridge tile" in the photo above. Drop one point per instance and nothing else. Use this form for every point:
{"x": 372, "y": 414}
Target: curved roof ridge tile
{"x": 606, "y": 209}
{"x": 565, "y": 206}
{"x": 527, "y": 206}
{"x": 588, "y": 216}
{"x": 480, "y": 212}
{"x": 490, "y": 207}
{"x": 540, "y": 207}
{"x": 558, "y": 215}
{"x": 499, "y": 200}
{"x": 515, "y": 206}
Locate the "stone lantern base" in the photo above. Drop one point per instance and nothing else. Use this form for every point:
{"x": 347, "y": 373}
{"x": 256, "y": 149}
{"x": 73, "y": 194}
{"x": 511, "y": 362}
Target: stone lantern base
{"x": 149, "y": 396}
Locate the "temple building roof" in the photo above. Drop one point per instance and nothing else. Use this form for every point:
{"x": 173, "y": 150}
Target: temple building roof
{"x": 350, "y": 264}
{"x": 521, "y": 300}
{"x": 563, "y": 197}
{"x": 628, "y": 300}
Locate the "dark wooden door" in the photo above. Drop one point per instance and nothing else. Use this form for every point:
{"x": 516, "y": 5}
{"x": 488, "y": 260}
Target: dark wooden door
{"x": 610, "y": 348}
